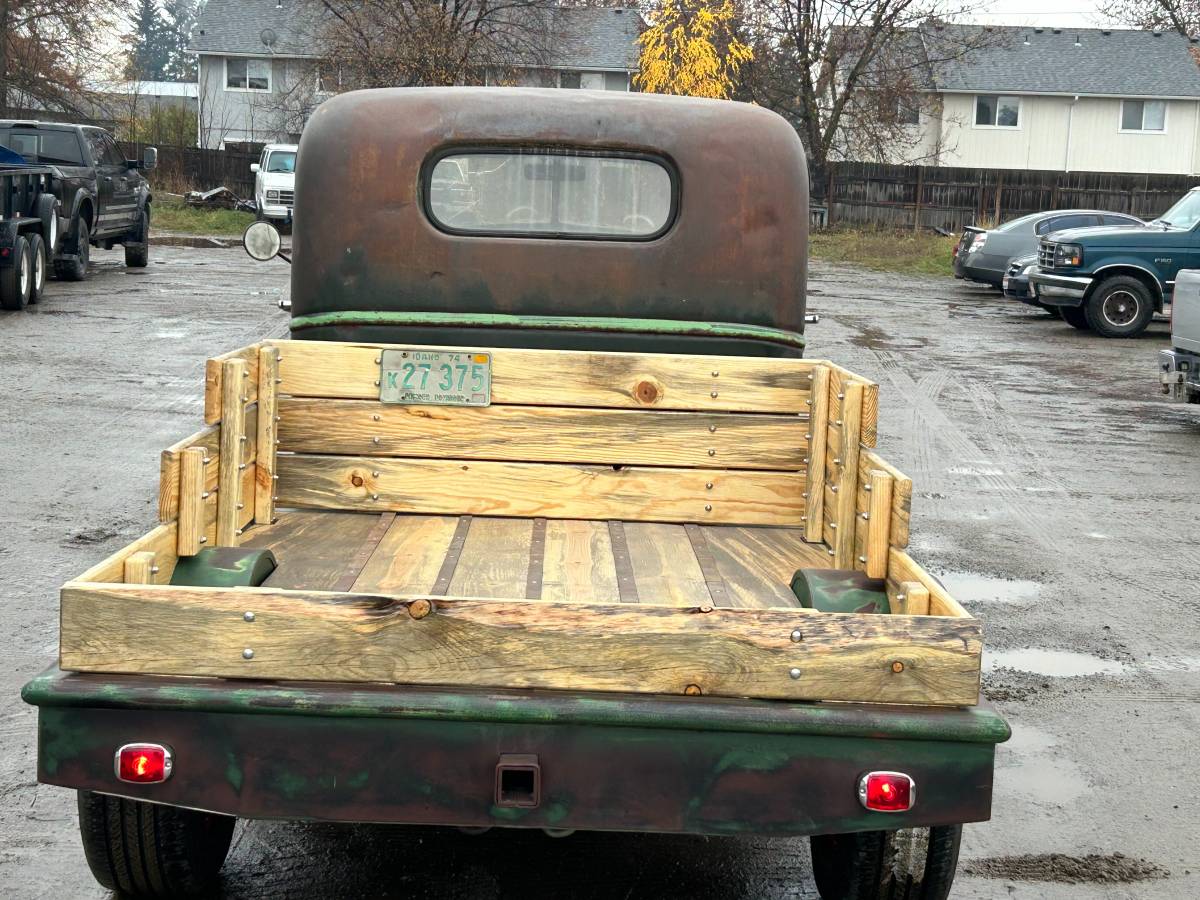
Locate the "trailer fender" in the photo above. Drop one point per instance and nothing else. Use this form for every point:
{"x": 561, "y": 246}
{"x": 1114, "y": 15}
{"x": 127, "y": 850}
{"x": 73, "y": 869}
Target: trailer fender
{"x": 49, "y": 210}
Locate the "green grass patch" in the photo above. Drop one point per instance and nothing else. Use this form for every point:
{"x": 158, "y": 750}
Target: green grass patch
{"x": 904, "y": 252}
{"x": 171, "y": 214}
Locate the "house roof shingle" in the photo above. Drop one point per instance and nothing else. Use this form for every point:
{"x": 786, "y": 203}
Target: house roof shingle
{"x": 1112, "y": 62}
{"x": 585, "y": 37}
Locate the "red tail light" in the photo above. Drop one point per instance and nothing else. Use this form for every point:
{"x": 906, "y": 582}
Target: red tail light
{"x": 143, "y": 763}
{"x": 887, "y": 791}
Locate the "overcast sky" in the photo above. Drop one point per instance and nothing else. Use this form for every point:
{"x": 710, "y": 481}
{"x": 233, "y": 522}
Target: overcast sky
{"x": 1064, "y": 14}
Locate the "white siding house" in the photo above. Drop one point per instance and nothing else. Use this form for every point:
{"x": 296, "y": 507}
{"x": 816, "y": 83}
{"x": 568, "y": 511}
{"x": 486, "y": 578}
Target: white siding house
{"x": 260, "y": 77}
{"x": 1068, "y": 99}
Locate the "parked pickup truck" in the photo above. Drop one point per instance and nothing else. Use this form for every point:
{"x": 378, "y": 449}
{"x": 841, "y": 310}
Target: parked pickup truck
{"x": 104, "y": 197}
{"x": 541, "y": 519}
{"x": 1113, "y": 281}
{"x": 1180, "y": 366}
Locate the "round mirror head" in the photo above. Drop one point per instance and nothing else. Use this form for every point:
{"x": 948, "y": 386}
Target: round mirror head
{"x": 262, "y": 241}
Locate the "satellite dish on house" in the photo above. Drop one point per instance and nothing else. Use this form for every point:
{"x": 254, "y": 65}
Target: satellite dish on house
{"x": 268, "y": 37}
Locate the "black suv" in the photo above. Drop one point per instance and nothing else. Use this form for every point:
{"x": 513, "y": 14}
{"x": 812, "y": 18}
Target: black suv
{"x": 104, "y": 196}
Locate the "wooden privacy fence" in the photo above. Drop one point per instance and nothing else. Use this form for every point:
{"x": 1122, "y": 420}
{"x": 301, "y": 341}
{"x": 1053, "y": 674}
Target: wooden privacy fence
{"x": 876, "y": 194}
{"x": 200, "y": 169}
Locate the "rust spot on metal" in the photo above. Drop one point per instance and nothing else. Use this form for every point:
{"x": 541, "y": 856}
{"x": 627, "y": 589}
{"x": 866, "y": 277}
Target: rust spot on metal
{"x": 419, "y": 609}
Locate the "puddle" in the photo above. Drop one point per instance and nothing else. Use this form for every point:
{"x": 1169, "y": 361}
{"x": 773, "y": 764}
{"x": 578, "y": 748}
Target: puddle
{"x": 1050, "y": 663}
{"x": 968, "y": 588}
{"x": 1031, "y": 764}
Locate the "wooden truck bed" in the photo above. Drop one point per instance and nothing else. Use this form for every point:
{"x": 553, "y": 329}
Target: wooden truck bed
{"x": 612, "y": 522}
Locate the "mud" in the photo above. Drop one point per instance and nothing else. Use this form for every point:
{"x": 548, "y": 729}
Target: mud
{"x": 1091, "y": 869}
{"x": 1047, "y": 468}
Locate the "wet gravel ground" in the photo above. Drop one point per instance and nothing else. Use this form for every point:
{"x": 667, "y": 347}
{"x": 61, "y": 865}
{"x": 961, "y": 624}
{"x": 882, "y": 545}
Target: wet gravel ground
{"x": 1055, "y": 493}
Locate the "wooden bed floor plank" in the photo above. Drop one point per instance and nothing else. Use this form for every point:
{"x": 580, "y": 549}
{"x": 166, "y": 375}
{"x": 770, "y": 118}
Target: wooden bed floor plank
{"x": 495, "y": 559}
{"x": 579, "y": 563}
{"x": 665, "y": 566}
{"x": 408, "y": 558}
{"x": 313, "y": 549}
{"x": 757, "y": 564}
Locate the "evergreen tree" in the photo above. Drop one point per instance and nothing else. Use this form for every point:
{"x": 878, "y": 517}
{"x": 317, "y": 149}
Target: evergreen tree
{"x": 179, "y": 18}
{"x": 149, "y": 51}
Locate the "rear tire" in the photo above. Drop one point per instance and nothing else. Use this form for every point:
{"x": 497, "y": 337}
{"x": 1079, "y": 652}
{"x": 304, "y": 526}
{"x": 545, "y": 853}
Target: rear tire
{"x": 38, "y": 265}
{"x": 143, "y": 849}
{"x": 16, "y": 280}
{"x": 908, "y": 864}
{"x": 1119, "y": 307}
{"x": 76, "y": 269}
{"x": 1075, "y": 316}
{"x": 137, "y": 254}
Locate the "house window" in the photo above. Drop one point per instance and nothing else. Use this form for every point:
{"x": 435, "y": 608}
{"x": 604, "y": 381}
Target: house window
{"x": 908, "y": 112}
{"x": 995, "y": 111}
{"x": 247, "y": 75}
{"x": 1143, "y": 115}
{"x": 569, "y": 79}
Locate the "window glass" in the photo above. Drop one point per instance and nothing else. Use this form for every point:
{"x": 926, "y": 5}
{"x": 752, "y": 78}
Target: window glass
{"x": 95, "y": 141}
{"x": 1143, "y": 115}
{"x": 907, "y": 113}
{"x": 248, "y": 74}
{"x": 1062, "y": 223}
{"x": 1024, "y": 223}
{"x": 59, "y": 148}
{"x": 281, "y": 161}
{"x": 985, "y": 110}
{"x": 551, "y": 194}
{"x": 998, "y": 111}
{"x": 1119, "y": 220}
{"x": 113, "y": 155}
{"x": 616, "y": 81}
{"x": 568, "y": 79}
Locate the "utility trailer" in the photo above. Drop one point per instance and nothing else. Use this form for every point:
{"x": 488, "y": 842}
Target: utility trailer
{"x": 29, "y": 230}
{"x": 462, "y": 552}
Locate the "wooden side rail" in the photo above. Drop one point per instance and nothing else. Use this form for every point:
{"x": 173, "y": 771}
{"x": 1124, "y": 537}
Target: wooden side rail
{"x": 496, "y": 643}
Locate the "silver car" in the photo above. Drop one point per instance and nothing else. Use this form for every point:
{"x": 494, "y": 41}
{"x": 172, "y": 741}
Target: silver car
{"x": 983, "y": 255}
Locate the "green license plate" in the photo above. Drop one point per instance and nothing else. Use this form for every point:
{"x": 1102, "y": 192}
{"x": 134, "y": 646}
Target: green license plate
{"x": 435, "y": 377}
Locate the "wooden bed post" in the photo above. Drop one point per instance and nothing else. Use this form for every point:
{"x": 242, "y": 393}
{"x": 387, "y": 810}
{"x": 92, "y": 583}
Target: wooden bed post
{"x": 847, "y": 474}
{"x": 140, "y": 567}
{"x": 879, "y": 523}
{"x": 234, "y": 374}
{"x": 818, "y": 428}
{"x": 191, "y": 501}
{"x": 264, "y": 477}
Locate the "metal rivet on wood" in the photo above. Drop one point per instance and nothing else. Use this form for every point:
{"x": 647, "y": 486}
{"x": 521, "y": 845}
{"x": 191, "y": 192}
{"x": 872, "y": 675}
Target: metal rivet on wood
{"x": 626, "y": 583}
{"x": 247, "y": 653}
{"x": 248, "y": 616}
{"x": 794, "y": 673}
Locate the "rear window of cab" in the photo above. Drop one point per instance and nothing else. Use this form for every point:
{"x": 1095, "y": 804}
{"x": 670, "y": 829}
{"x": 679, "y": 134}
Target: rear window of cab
{"x": 522, "y": 192}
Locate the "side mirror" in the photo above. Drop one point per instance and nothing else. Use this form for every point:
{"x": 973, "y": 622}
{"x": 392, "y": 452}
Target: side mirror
{"x": 149, "y": 158}
{"x": 254, "y": 167}
{"x": 262, "y": 241}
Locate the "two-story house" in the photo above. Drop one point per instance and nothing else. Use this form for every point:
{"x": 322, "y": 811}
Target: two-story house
{"x": 260, "y": 72}
{"x": 1068, "y": 99}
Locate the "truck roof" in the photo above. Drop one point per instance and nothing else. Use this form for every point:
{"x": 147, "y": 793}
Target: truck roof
{"x": 370, "y": 248}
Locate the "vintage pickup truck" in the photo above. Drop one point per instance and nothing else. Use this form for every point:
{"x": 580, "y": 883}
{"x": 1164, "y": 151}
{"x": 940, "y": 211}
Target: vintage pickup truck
{"x": 541, "y": 519}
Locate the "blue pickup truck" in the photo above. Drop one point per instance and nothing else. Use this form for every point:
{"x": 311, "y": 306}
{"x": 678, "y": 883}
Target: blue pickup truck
{"x": 1113, "y": 280}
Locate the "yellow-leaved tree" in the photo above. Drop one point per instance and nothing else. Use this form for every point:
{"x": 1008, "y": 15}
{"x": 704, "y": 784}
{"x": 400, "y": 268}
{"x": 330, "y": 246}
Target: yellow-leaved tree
{"x": 691, "y": 49}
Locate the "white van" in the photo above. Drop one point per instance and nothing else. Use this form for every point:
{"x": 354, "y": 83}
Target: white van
{"x": 275, "y": 182}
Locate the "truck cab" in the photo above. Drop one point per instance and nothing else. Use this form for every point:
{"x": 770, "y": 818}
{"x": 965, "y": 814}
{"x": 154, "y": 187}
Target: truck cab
{"x": 1113, "y": 281}
{"x": 1180, "y": 366}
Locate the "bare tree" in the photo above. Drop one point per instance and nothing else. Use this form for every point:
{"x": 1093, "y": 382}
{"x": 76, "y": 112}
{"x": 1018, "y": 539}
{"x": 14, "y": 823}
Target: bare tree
{"x": 1180, "y": 15}
{"x": 46, "y": 47}
{"x": 400, "y": 43}
{"x": 854, "y": 76}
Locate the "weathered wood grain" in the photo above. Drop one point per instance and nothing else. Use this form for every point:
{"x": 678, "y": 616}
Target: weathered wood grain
{"x": 139, "y": 567}
{"x": 312, "y": 549}
{"x": 214, "y": 376}
{"x": 665, "y": 569}
{"x": 637, "y": 648}
{"x": 408, "y": 558}
{"x": 209, "y": 439}
{"x": 559, "y": 378}
{"x": 192, "y": 497}
{"x": 757, "y": 564}
{"x": 818, "y": 429}
{"x": 911, "y": 599}
{"x": 265, "y": 427}
{"x": 448, "y": 487}
{"x": 161, "y": 542}
{"x": 902, "y": 567}
{"x": 230, "y": 499}
{"x": 901, "y": 513}
{"x": 847, "y": 480}
{"x": 879, "y": 523}
{"x": 578, "y": 566}
{"x": 549, "y": 434}
{"x": 839, "y": 378}
{"x": 494, "y": 560}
